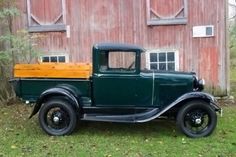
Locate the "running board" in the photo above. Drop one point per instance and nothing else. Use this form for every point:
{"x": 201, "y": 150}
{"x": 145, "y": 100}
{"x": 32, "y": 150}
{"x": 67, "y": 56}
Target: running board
{"x": 131, "y": 118}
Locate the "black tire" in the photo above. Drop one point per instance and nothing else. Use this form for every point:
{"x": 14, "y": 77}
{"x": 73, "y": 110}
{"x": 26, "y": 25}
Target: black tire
{"x": 57, "y": 117}
{"x": 196, "y": 119}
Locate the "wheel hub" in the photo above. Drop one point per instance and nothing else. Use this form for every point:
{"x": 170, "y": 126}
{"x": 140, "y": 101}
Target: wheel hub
{"x": 198, "y": 121}
{"x": 56, "y": 119}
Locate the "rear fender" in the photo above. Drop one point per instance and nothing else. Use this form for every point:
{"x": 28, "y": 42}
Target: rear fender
{"x": 52, "y": 92}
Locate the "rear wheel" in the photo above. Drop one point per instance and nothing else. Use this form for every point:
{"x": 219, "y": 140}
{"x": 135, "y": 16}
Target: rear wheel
{"x": 197, "y": 119}
{"x": 57, "y": 117}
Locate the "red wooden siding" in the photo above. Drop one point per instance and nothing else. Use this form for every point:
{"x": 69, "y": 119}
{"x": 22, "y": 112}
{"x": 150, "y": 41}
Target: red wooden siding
{"x": 93, "y": 21}
{"x": 209, "y": 65}
{"x": 57, "y": 38}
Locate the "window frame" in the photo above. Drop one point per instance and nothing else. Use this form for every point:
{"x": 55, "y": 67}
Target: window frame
{"x": 166, "y": 51}
{"x": 55, "y": 55}
{"x": 46, "y": 27}
{"x": 167, "y": 21}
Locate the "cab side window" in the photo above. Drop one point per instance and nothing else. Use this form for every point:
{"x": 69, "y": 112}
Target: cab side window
{"x": 117, "y": 61}
{"x": 122, "y": 61}
{"x": 103, "y": 60}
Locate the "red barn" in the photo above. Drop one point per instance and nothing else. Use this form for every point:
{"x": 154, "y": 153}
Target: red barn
{"x": 181, "y": 35}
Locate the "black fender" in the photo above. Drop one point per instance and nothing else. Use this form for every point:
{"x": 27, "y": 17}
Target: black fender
{"x": 184, "y": 98}
{"x": 60, "y": 90}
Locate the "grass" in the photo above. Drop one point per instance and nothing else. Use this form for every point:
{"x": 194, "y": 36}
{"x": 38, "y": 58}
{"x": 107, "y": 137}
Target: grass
{"x": 233, "y": 76}
{"x": 20, "y": 136}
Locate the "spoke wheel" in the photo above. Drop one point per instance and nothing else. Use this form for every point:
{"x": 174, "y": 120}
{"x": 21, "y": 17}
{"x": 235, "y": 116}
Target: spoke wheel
{"x": 57, "y": 117}
{"x": 196, "y": 119}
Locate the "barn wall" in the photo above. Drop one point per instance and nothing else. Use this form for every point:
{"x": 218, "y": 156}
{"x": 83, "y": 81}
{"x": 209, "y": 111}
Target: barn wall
{"x": 93, "y": 21}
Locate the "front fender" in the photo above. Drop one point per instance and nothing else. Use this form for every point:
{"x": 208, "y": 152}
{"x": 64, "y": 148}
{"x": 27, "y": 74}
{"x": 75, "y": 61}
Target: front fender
{"x": 57, "y": 91}
{"x": 196, "y": 95}
{"x": 200, "y": 95}
{"x": 187, "y": 97}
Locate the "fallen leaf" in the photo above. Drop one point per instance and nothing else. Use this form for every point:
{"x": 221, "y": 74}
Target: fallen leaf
{"x": 13, "y": 147}
{"x": 183, "y": 141}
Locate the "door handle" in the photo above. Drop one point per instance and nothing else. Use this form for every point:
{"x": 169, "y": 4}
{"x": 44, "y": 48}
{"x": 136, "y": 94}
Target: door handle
{"x": 98, "y": 75}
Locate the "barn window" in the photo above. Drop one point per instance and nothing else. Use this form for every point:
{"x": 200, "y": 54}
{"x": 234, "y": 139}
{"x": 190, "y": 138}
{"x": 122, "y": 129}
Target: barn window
{"x": 163, "y": 12}
{"x": 46, "y": 15}
{"x": 162, "y": 60}
{"x": 55, "y": 59}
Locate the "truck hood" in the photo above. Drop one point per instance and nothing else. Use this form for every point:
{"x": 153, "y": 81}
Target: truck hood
{"x": 169, "y": 72}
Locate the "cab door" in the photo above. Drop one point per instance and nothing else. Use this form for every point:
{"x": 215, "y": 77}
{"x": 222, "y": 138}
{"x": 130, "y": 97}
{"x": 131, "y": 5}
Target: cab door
{"x": 121, "y": 84}
{"x": 115, "y": 90}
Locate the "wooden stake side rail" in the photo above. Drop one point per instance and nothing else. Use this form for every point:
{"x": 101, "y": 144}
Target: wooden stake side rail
{"x": 53, "y": 70}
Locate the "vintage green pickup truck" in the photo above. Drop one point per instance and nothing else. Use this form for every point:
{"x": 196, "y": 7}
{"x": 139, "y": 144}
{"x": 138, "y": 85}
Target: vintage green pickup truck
{"x": 120, "y": 91}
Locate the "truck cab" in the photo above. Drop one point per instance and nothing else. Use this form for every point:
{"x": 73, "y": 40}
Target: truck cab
{"x": 117, "y": 78}
{"x": 119, "y": 89}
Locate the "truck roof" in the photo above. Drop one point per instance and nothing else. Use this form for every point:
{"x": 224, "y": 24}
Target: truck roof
{"x": 118, "y": 47}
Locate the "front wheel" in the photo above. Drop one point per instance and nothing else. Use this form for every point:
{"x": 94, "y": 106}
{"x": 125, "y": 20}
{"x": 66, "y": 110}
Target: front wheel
{"x": 57, "y": 117}
{"x": 197, "y": 119}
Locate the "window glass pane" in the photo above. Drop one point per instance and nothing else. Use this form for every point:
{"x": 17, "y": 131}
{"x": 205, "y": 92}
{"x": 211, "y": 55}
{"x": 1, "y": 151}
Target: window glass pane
{"x": 162, "y": 66}
{"x": 171, "y": 56}
{"x": 153, "y": 57}
{"x": 153, "y": 66}
{"x": 171, "y": 66}
{"x": 103, "y": 60}
{"x": 53, "y": 58}
{"x": 45, "y": 59}
{"x": 62, "y": 59}
{"x": 162, "y": 57}
{"x": 122, "y": 61}
{"x": 209, "y": 31}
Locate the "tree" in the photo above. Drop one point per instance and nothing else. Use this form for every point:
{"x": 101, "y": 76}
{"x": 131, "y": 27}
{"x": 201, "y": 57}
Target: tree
{"x": 15, "y": 47}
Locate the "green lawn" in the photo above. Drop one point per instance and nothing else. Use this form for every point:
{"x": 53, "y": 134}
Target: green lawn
{"x": 233, "y": 77}
{"x": 20, "y": 136}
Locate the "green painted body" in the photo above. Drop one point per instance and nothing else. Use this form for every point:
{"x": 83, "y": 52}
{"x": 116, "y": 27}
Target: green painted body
{"x": 118, "y": 89}
{"x": 137, "y": 89}
{"x": 31, "y": 89}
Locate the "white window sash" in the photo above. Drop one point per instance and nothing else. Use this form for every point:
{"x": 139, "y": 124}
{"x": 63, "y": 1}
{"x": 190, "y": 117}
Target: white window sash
{"x": 157, "y": 51}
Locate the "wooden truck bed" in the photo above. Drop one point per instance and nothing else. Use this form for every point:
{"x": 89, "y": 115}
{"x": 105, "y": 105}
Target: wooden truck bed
{"x": 53, "y": 70}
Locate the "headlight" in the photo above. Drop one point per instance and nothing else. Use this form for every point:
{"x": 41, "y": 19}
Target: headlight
{"x": 198, "y": 84}
{"x": 201, "y": 84}
{"x": 195, "y": 82}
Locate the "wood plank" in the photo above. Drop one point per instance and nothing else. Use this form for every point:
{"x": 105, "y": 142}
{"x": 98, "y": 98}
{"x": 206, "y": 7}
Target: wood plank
{"x": 29, "y": 12}
{"x": 51, "y": 74}
{"x": 53, "y": 70}
{"x": 48, "y": 28}
{"x": 179, "y": 21}
{"x": 71, "y": 66}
